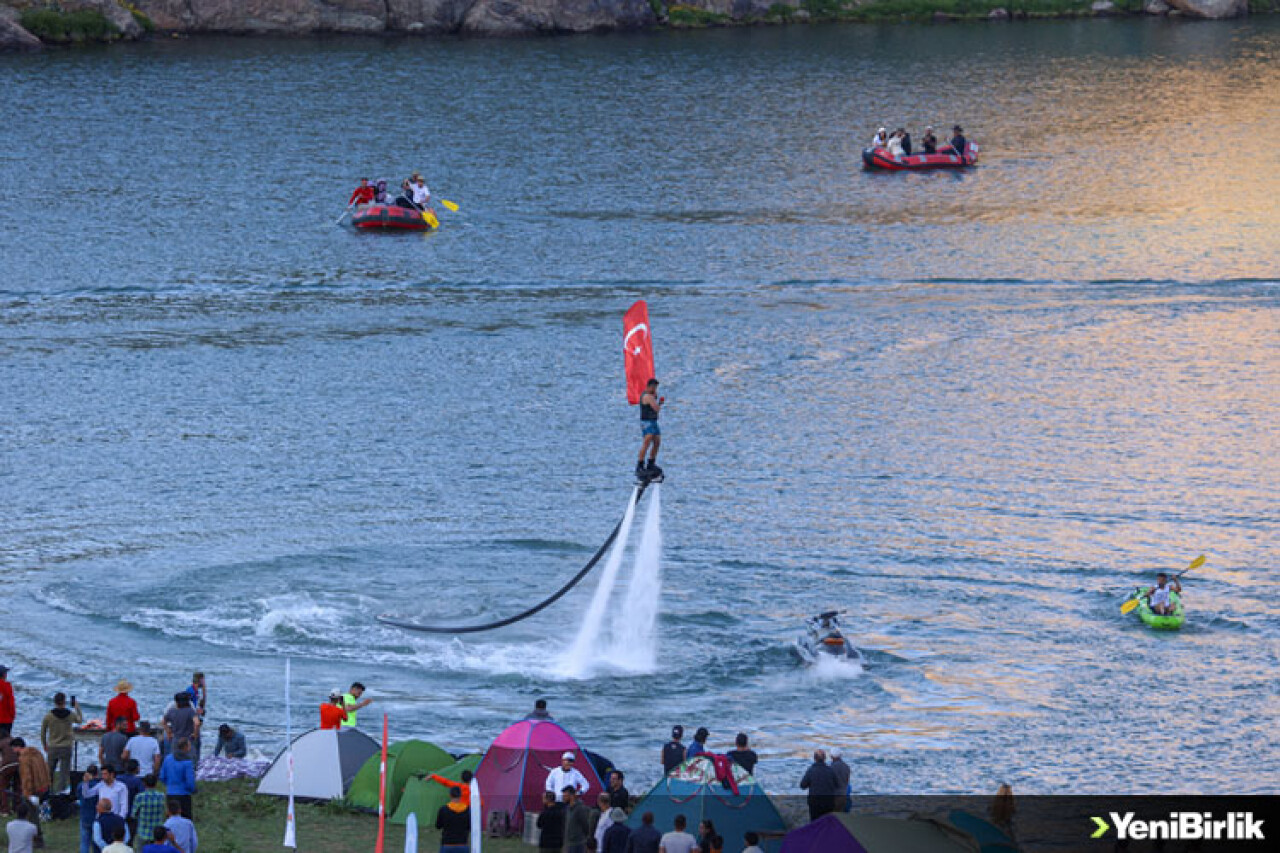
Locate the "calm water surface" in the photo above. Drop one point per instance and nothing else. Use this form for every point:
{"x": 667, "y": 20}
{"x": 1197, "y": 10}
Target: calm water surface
{"x": 972, "y": 409}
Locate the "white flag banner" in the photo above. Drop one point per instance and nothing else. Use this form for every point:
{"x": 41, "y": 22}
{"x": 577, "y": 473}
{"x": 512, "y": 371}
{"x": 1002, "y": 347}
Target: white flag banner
{"x": 290, "y": 829}
{"x": 477, "y": 816}
{"x": 411, "y": 833}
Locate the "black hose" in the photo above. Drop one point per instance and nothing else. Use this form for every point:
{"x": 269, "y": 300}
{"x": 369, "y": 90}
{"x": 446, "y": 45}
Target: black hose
{"x": 537, "y": 608}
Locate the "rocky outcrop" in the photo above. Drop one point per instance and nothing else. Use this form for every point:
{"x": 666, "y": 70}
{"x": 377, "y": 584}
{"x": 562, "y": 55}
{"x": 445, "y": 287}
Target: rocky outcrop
{"x": 12, "y": 35}
{"x": 516, "y": 17}
{"x": 1155, "y": 7}
{"x": 125, "y": 24}
{"x": 1211, "y": 8}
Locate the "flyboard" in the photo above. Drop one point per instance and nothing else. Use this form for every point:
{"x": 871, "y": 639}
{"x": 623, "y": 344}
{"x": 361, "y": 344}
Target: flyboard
{"x": 637, "y": 346}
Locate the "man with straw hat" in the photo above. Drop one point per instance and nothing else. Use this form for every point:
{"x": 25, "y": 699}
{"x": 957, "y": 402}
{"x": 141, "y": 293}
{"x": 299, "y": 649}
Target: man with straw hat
{"x": 123, "y": 707}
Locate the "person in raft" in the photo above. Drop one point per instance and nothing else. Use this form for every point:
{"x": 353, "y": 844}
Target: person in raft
{"x": 958, "y": 142}
{"x": 650, "y": 407}
{"x": 880, "y": 139}
{"x": 1158, "y": 598}
{"x": 332, "y": 713}
{"x": 421, "y": 195}
{"x": 363, "y": 194}
{"x": 929, "y": 142}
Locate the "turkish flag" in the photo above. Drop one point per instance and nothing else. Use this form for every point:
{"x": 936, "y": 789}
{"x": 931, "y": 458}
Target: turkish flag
{"x": 637, "y": 347}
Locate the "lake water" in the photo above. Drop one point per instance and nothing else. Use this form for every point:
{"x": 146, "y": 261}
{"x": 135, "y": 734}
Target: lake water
{"x": 973, "y": 410}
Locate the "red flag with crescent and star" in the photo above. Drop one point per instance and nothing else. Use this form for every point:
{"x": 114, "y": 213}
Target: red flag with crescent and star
{"x": 637, "y": 347}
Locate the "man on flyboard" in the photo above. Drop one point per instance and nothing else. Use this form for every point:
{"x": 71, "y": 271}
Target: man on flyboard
{"x": 650, "y": 407}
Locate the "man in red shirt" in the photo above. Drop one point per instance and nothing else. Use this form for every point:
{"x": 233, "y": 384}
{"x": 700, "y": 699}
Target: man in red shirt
{"x": 123, "y": 707}
{"x": 363, "y": 194}
{"x": 8, "y": 708}
{"x": 332, "y": 714}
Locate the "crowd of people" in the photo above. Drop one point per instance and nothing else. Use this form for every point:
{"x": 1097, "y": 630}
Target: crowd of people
{"x": 118, "y": 796}
{"x": 898, "y": 143}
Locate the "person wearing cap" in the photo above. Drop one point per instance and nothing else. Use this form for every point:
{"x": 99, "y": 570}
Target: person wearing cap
{"x": 123, "y": 707}
{"x": 929, "y": 142}
{"x": 8, "y": 707}
{"x": 879, "y": 140}
{"x": 566, "y": 776}
{"x": 332, "y": 713}
{"x": 615, "y": 838}
{"x": 673, "y": 750}
{"x": 958, "y": 142}
{"x": 144, "y": 748}
{"x": 363, "y": 194}
{"x": 352, "y": 702}
{"x": 57, "y": 739}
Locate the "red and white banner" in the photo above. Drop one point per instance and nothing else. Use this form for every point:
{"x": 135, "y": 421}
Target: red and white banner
{"x": 637, "y": 347}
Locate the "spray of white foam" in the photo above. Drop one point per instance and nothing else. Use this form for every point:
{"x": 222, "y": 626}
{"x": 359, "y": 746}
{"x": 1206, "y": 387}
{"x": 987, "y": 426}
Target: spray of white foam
{"x": 635, "y": 646}
{"x": 577, "y": 662}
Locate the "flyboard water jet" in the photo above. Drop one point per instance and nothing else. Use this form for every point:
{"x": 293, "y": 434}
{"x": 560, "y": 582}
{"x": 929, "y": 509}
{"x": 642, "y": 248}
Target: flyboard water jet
{"x": 637, "y": 346}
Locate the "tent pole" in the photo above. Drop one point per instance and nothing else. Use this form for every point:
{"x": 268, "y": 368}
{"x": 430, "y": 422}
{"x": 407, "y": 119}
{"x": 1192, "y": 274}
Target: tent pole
{"x": 382, "y": 791}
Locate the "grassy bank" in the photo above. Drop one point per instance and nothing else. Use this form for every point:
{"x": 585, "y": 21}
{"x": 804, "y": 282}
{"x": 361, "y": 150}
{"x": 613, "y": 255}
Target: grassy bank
{"x": 232, "y": 819}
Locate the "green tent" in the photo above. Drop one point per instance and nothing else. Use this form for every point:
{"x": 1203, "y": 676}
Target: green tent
{"x": 424, "y": 797}
{"x": 405, "y": 758}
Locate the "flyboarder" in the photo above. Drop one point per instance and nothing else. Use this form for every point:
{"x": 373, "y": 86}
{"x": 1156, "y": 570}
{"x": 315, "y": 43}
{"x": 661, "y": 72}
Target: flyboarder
{"x": 650, "y": 407}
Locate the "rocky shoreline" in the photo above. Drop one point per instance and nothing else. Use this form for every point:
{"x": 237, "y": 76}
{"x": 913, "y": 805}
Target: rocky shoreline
{"x": 34, "y": 24}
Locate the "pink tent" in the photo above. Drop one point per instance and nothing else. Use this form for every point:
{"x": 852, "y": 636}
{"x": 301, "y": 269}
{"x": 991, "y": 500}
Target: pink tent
{"x": 513, "y": 773}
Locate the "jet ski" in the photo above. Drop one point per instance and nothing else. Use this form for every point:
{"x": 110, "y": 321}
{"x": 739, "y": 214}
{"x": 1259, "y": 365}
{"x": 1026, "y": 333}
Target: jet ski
{"x": 822, "y": 639}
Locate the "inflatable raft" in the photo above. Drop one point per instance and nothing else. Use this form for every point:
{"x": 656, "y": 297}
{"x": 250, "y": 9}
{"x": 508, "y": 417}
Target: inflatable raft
{"x": 1159, "y": 622}
{"x": 390, "y": 217}
{"x": 946, "y": 158}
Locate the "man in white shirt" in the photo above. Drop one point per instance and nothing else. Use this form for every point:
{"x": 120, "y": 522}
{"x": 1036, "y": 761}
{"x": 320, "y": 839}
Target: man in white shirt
{"x": 678, "y": 841}
{"x": 144, "y": 748}
{"x": 1159, "y": 597}
{"x": 565, "y": 775}
{"x": 421, "y": 195}
{"x": 114, "y": 791}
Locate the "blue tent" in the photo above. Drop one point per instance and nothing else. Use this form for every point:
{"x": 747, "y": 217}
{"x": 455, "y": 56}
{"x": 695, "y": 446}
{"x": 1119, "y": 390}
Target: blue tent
{"x": 692, "y": 790}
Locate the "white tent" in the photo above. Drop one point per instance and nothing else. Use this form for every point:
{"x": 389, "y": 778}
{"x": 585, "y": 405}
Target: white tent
{"x": 324, "y": 763}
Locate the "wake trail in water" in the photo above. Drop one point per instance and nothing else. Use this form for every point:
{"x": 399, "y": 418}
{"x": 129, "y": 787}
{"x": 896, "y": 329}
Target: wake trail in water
{"x": 628, "y": 640}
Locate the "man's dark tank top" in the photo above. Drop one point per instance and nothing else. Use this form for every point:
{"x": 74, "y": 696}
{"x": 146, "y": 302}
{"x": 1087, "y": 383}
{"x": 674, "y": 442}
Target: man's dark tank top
{"x": 672, "y": 756}
{"x": 648, "y": 413}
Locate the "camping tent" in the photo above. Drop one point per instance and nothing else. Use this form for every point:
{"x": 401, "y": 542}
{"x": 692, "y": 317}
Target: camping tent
{"x": 324, "y": 763}
{"x": 859, "y": 833}
{"x": 513, "y": 773}
{"x": 424, "y": 797}
{"x": 692, "y": 790}
{"x": 405, "y": 758}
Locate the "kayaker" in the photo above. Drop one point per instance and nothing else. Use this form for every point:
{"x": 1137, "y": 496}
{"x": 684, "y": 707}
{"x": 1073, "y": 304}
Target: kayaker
{"x": 879, "y": 140}
{"x": 405, "y": 199}
{"x": 929, "y": 142}
{"x": 1158, "y": 598}
{"x": 363, "y": 194}
{"x": 650, "y": 408}
{"x": 958, "y": 142}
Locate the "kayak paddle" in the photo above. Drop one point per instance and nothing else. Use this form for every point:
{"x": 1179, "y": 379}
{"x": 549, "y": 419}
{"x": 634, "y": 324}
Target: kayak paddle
{"x": 430, "y": 218}
{"x": 451, "y": 205}
{"x": 1128, "y": 606}
{"x": 344, "y": 214}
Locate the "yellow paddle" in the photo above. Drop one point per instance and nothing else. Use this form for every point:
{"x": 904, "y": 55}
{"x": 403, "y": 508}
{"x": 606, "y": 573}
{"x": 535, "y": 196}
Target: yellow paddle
{"x": 448, "y": 204}
{"x": 430, "y": 218}
{"x": 1130, "y": 605}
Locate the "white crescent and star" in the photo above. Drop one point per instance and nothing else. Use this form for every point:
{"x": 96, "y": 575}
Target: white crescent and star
{"x": 626, "y": 340}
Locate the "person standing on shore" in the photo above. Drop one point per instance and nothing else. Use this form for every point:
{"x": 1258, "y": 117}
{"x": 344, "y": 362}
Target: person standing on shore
{"x": 199, "y": 694}
{"x": 144, "y": 748}
{"x": 566, "y": 776}
{"x": 57, "y": 739}
{"x": 332, "y": 713}
{"x": 179, "y": 776}
{"x": 122, "y": 707}
{"x": 111, "y": 747}
{"x": 182, "y": 722}
{"x": 352, "y": 702}
{"x": 843, "y": 772}
{"x": 539, "y": 711}
{"x": 551, "y": 823}
{"x": 820, "y": 781}
{"x": 453, "y": 819}
{"x": 8, "y": 706}
{"x": 673, "y": 751}
{"x": 181, "y": 829}
{"x": 742, "y": 755}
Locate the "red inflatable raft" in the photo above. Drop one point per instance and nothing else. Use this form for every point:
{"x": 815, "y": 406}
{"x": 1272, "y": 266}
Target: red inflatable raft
{"x": 388, "y": 217}
{"x": 946, "y": 158}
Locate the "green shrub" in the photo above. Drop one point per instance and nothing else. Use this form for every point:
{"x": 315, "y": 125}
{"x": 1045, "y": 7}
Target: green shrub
{"x": 60, "y": 27}
{"x": 681, "y": 15}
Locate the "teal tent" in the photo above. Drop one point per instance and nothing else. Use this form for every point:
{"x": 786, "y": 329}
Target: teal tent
{"x": 692, "y": 790}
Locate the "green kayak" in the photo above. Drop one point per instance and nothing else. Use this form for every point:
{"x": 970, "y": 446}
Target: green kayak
{"x": 1171, "y": 622}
